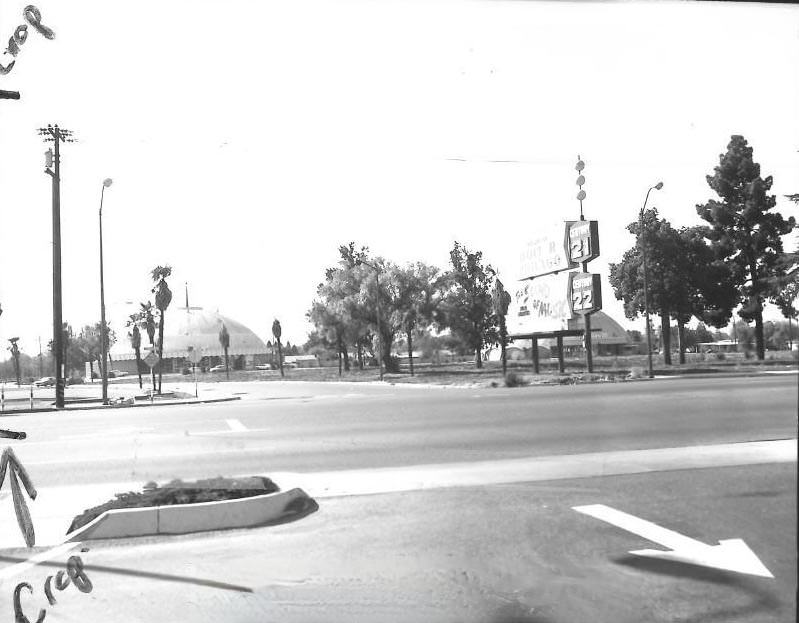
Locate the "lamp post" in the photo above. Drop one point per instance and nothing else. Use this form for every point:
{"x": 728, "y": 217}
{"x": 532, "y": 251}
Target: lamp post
{"x": 103, "y": 335}
{"x": 657, "y": 186}
{"x": 377, "y": 298}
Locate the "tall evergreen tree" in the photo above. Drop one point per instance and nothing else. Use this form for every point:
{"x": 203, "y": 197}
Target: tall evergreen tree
{"x": 744, "y": 231}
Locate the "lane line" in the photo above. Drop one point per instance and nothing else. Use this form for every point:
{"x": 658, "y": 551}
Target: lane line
{"x": 236, "y": 426}
{"x": 49, "y": 554}
{"x": 535, "y": 469}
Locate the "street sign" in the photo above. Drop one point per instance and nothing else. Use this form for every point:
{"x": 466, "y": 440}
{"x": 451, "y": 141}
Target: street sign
{"x": 585, "y": 293}
{"x": 195, "y": 356}
{"x": 540, "y": 305}
{"x": 151, "y": 359}
{"x": 583, "y": 240}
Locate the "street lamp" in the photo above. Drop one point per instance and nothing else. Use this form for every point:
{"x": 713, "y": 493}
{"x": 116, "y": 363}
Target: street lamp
{"x": 377, "y": 298}
{"x": 103, "y": 341}
{"x": 657, "y": 186}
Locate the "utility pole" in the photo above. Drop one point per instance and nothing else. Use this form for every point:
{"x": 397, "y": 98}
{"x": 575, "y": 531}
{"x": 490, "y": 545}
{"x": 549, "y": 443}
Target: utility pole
{"x": 54, "y": 134}
{"x": 41, "y": 371}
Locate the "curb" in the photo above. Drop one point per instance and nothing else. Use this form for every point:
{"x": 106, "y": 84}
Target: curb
{"x": 200, "y": 517}
{"x": 193, "y": 401}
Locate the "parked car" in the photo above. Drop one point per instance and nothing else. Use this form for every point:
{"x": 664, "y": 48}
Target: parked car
{"x": 45, "y": 381}
{"x": 115, "y": 374}
{"x": 219, "y": 368}
{"x": 265, "y": 366}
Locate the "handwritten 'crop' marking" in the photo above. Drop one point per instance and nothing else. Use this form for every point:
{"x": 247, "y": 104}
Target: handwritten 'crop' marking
{"x": 75, "y": 574}
{"x": 33, "y": 16}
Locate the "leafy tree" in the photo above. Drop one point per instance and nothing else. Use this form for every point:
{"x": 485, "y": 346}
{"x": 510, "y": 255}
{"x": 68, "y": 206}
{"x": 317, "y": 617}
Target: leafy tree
{"x": 744, "y": 232}
{"x": 224, "y": 341}
{"x": 134, "y": 335}
{"x": 146, "y": 319}
{"x": 163, "y": 297}
{"x": 419, "y": 295}
{"x": 276, "y": 332}
{"x": 500, "y": 300}
{"x": 467, "y": 306}
{"x": 675, "y": 288}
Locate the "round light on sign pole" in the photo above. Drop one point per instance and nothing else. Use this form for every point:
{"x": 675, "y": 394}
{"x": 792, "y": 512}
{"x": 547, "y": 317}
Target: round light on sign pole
{"x": 580, "y": 165}
{"x": 581, "y": 180}
{"x": 581, "y": 195}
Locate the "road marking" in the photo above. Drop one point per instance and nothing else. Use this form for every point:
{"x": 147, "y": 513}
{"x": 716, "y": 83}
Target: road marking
{"x": 34, "y": 560}
{"x": 236, "y": 426}
{"x": 536, "y": 469}
{"x": 730, "y": 554}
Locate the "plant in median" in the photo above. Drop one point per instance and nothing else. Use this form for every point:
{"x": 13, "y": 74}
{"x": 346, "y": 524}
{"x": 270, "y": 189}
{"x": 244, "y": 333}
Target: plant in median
{"x": 163, "y": 297}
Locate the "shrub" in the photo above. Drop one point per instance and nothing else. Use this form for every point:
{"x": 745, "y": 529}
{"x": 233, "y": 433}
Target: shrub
{"x": 721, "y": 356}
{"x": 514, "y": 379}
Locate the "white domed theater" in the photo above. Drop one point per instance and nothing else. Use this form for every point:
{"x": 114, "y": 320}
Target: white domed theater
{"x": 196, "y": 328}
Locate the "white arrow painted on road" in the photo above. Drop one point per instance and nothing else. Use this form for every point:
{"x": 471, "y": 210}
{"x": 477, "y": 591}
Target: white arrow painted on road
{"x": 730, "y": 554}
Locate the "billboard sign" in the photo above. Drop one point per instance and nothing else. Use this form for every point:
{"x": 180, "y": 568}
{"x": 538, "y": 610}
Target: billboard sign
{"x": 583, "y": 240}
{"x": 547, "y": 253}
{"x": 540, "y": 305}
{"x": 585, "y": 293}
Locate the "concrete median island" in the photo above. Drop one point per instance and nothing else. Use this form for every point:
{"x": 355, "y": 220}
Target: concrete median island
{"x": 181, "y": 508}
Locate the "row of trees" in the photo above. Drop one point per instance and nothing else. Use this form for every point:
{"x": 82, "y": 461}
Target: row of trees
{"x": 706, "y": 272}
{"x": 366, "y": 303}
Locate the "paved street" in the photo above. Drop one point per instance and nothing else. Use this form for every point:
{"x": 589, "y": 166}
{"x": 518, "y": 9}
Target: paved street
{"x": 469, "y": 513}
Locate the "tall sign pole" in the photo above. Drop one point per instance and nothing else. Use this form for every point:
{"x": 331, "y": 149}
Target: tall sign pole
{"x": 589, "y": 350}
{"x": 57, "y": 135}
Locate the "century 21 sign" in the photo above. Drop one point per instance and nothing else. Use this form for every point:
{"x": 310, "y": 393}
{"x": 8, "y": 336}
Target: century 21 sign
{"x": 583, "y": 240}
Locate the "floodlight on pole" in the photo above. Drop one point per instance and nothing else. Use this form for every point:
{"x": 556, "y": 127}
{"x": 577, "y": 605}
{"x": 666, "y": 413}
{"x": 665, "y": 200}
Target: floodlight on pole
{"x": 657, "y": 186}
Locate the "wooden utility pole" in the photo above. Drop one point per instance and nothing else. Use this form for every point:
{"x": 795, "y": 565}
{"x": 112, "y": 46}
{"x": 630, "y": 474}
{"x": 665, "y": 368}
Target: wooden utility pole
{"x": 54, "y": 134}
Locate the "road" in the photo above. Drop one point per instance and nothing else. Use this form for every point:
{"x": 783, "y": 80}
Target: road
{"x": 485, "y": 529}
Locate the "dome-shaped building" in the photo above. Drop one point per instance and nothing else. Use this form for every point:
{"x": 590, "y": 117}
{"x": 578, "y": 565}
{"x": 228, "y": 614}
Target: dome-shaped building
{"x": 198, "y": 329}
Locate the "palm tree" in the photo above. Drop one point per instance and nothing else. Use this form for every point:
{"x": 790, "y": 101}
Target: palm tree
{"x": 163, "y": 297}
{"x": 134, "y": 335}
{"x": 147, "y": 322}
{"x": 276, "y": 331}
{"x": 224, "y": 340}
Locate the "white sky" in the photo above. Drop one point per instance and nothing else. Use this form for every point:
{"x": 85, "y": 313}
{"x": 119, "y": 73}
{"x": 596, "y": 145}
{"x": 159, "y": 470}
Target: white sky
{"x": 247, "y": 140}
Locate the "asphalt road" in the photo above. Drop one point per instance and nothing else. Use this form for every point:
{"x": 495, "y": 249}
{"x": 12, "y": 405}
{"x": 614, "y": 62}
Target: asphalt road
{"x": 499, "y": 547}
{"x": 316, "y": 426}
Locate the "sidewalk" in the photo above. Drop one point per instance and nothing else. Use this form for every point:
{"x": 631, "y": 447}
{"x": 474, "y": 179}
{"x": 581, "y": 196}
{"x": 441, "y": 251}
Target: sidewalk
{"x": 17, "y": 400}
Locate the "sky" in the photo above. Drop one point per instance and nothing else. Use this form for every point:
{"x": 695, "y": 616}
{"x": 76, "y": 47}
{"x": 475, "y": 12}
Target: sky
{"x": 248, "y": 140}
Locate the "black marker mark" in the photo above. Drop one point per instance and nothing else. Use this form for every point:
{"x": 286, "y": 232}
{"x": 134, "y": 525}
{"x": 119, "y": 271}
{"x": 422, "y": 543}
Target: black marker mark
{"x": 79, "y": 578}
{"x": 34, "y": 17}
{"x": 48, "y": 590}
{"x": 12, "y": 434}
{"x": 59, "y": 584}
{"x": 17, "y": 472}
{"x": 19, "y": 616}
{"x": 75, "y": 574}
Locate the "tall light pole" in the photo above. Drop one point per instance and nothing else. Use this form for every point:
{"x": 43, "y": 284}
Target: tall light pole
{"x": 54, "y": 134}
{"x": 377, "y": 298}
{"x": 103, "y": 335}
{"x": 657, "y": 186}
